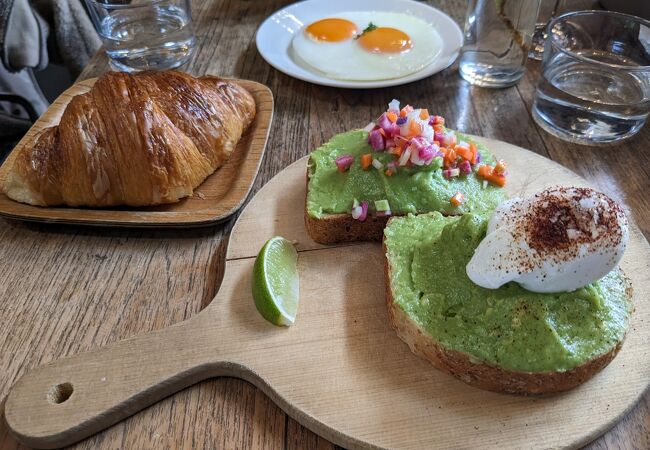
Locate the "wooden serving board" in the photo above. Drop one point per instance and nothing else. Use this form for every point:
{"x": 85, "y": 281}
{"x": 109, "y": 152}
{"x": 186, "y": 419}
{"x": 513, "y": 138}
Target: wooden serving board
{"x": 218, "y": 197}
{"x": 340, "y": 369}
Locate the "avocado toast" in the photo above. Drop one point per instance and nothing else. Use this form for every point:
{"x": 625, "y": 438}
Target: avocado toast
{"x": 409, "y": 162}
{"x": 433, "y": 194}
{"x": 507, "y": 339}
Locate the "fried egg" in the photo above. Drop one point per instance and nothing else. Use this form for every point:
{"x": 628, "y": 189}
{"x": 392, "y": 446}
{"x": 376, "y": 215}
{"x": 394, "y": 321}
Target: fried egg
{"x": 364, "y": 46}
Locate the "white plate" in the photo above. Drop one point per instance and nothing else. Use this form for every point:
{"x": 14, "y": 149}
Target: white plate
{"x": 274, "y": 37}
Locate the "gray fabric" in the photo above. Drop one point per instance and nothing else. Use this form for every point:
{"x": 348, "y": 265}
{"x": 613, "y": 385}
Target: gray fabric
{"x": 24, "y": 36}
{"x": 76, "y": 38}
{"x": 25, "y": 84}
{"x": 24, "y": 33}
{"x": 14, "y": 119}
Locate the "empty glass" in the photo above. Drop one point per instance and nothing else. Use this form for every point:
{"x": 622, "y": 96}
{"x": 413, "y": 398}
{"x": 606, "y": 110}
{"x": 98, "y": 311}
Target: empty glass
{"x": 144, "y": 34}
{"x": 497, "y": 40}
{"x": 595, "y": 81}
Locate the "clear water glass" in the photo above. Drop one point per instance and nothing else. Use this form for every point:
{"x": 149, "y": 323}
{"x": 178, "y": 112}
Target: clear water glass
{"x": 497, "y": 40}
{"x": 548, "y": 9}
{"x": 595, "y": 82}
{"x": 144, "y": 34}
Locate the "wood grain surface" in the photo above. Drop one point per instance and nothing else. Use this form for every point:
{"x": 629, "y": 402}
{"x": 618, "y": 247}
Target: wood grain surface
{"x": 70, "y": 289}
{"x": 219, "y": 196}
{"x": 340, "y": 369}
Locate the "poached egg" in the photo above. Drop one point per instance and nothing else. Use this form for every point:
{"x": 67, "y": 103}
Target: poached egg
{"x": 558, "y": 240}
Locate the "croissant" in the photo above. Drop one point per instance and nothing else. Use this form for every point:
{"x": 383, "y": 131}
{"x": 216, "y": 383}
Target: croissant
{"x": 136, "y": 140}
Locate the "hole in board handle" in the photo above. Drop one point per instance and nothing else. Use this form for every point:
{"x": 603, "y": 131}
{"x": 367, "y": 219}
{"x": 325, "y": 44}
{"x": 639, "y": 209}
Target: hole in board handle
{"x": 60, "y": 393}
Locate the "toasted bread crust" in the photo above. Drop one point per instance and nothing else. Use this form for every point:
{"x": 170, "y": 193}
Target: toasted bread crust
{"x": 483, "y": 375}
{"x": 335, "y": 228}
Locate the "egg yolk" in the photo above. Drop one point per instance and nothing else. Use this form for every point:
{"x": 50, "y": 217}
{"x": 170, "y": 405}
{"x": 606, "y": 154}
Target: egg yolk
{"x": 385, "y": 40}
{"x": 332, "y": 30}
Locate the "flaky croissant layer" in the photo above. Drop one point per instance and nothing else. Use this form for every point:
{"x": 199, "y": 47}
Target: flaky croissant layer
{"x": 133, "y": 139}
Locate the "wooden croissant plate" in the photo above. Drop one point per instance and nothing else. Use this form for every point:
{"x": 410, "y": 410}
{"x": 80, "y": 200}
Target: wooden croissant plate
{"x": 136, "y": 140}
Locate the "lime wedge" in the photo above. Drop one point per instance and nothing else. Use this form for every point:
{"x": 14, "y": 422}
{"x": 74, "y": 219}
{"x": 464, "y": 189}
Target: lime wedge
{"x": 275, "y": 281}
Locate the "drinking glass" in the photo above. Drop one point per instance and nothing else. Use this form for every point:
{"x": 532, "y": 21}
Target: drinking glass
{"x": 144, "y": 34}
{"x": 497, "y": 40}
{"x": 548, "y": 9}
{"x": 595, "y": 82}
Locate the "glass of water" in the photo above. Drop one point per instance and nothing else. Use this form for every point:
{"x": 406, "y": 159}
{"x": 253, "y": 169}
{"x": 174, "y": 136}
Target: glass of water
{"x": 144, "y": 34}
{"x": 497, "y": 41}
{"x": 548, "y": 9}
{"x": 595, "y": 81}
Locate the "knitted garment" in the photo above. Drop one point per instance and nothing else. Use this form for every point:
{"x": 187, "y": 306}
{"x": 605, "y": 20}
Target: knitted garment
{"x": 26, "y": 29}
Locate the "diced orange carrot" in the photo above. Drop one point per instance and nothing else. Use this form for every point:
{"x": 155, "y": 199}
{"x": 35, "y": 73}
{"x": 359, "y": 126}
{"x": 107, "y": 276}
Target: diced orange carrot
{"x": 415, "y": 128}
{"x": 366, "y": 161}
{"x": 485, "y": 171}
{"x": 438, "y": 128}
{"x": 437, "y": 143}
{"x": 500, "y": 168}
{"x": 407, "y": 109}
{"x": 463, "y": 152}
{"x": 474, "y": 150}
{"x": 457, "y": 199}
{"x": 391, "y": 116}
{"x": 397, "y": 151}
{"x": 451, "y": 155}
{"x": 424, "y": 114}
{"x": 499, "y": 180}
{"x": 400, "y": 141}
{"x": 450, "y": 158}
{"x": 388, "y": 172}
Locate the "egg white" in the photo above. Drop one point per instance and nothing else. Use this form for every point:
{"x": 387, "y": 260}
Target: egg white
{"x": 496, "y": 261}
{"x": 347, "y": 60}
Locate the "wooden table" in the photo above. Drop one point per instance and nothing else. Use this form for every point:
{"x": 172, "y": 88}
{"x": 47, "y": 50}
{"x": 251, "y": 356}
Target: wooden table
{"x": 66, "y": 290}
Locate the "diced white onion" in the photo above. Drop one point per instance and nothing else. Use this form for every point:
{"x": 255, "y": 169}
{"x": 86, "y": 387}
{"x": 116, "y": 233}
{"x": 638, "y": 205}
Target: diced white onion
{"x": 405, "y": 156}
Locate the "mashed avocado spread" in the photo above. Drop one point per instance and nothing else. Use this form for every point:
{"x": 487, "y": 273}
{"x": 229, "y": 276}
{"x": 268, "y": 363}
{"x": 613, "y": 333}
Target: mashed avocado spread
{"x": 510, "y": 327}
{"x": 410, "y": 190}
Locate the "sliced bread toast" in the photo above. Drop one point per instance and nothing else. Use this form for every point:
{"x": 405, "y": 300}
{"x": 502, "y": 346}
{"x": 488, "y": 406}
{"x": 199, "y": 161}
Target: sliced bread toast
{"x": 329, "y": 222}
{"x": 482, "y": 374}
{"x": 337, "y": 228}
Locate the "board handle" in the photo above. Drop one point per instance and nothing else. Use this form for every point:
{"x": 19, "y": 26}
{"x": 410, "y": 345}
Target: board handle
{"x": 63, "y": 402}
